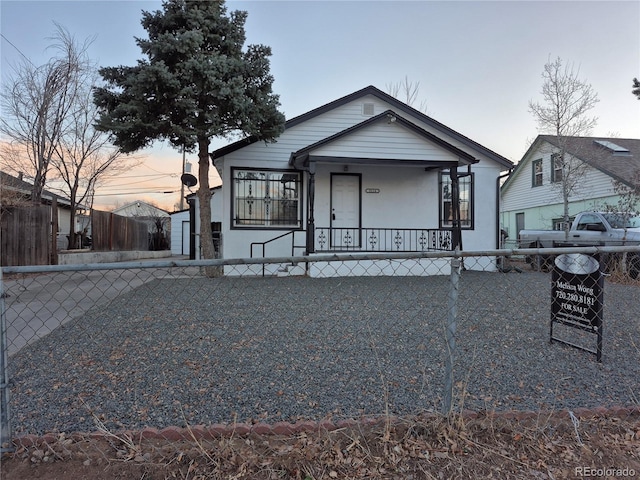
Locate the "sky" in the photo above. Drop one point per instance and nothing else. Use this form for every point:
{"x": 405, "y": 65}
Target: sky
{"x": 478, "y": 64}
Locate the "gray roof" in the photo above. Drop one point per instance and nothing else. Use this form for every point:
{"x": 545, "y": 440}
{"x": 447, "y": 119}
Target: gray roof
{"x": 25, "y": 188}
{"x": 621, "y": 166}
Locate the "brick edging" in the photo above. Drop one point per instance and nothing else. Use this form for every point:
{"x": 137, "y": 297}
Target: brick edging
{"x": 218, "y": 430}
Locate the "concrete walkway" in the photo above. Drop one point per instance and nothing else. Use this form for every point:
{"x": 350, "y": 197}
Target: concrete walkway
{"x": 38, "y": 303}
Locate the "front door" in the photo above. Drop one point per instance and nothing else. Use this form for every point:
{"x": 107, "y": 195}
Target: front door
{"x": 345, "y": 211}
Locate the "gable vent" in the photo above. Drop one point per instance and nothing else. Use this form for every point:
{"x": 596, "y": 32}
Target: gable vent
{"x": 367, "y": 109}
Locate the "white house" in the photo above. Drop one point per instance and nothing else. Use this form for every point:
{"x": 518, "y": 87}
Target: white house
{"x": 158, "y": 222}
{"x": 531, "y": 197}
{"x": 364, "y": 173}
{"x": 141, "y": 210}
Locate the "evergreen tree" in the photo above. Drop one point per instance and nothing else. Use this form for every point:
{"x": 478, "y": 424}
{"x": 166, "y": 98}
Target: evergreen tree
{"x": 636, "y": 88}
{"x": 196, "y": 82}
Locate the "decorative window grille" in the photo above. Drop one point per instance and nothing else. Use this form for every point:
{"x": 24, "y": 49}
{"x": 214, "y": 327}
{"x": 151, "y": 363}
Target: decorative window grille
{"x": 446, "y": 201}
{"x": 266, "y": 198}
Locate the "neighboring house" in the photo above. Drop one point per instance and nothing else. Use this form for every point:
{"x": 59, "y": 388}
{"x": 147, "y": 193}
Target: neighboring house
{"x": 142, "y": 210}
{"x": 532, "y": 195}
{"x": 185, "y": 225}
{"x": 16, "y": 191}
{"x": 364, "y": 173}
{"x": 158, "y": 222}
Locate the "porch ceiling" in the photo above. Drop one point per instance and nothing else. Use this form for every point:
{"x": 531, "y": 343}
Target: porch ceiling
{"x": 304, "y": 162}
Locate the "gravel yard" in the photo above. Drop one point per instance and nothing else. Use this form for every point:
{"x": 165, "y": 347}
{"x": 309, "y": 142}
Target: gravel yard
{"x": 200, "y": 351}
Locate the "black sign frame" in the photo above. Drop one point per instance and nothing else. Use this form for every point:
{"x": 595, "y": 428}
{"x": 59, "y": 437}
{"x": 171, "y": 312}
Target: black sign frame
{"x": 577, "y": 287}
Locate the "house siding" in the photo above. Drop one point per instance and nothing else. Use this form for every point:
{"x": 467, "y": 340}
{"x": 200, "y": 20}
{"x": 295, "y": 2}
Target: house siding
{"x": 402, "y": 144}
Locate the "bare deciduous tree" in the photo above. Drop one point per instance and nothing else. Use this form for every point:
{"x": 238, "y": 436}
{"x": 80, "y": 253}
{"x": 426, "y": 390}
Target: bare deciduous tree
{"x": 50, "y": 122}
{"x": 35, "y": 103}
{"x": 83, "y": 156}
{"x": 563, "y": 112}
{"x": 627, "y": 207}
{"x": 408, "y": 92}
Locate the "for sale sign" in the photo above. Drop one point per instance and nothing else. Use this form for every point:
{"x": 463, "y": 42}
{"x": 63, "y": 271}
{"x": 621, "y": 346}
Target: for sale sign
{"x": 576, "y": 296}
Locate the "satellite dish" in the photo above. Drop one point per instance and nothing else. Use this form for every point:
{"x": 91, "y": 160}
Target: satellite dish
{"x": 188, "y": 180}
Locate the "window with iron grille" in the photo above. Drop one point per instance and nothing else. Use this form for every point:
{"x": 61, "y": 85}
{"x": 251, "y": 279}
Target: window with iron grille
{"x": 446, "y": 201}
{"x": 266, "y": 198}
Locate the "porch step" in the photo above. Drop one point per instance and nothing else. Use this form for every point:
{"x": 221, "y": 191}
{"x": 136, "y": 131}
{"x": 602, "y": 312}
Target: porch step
{"x": 290, "y": 269}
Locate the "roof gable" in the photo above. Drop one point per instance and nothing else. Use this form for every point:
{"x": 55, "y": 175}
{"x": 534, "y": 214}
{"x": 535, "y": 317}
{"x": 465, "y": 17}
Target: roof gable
{"x": 140, "y": 208}
{"x": 619, "y": 165}
{"x": 395, "y": 104}
{"x": 302, "y": 157}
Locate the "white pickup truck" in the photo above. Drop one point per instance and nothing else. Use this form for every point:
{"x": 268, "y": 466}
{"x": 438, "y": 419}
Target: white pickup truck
{"x": 590, "y": 229}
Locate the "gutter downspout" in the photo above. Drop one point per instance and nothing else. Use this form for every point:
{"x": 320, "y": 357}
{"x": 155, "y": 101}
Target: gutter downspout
{"x": 498, "y": 229}
{"x": 192, "y": 228}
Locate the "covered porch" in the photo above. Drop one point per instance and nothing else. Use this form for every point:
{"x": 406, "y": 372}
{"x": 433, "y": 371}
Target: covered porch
{"x": 386, "y": 201}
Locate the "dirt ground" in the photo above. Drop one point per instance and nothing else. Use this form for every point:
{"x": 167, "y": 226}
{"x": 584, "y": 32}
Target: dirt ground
{"x": 539, "y": 446}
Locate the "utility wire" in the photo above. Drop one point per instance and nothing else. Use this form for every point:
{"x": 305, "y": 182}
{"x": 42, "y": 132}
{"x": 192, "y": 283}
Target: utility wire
{"x": 131, "y": 193}
{"x": 18, "y": 50}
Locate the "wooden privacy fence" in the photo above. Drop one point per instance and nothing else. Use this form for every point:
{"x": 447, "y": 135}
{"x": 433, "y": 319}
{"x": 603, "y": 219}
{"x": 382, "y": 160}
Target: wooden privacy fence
{"x": 111, "y": 232}
{"x": 25, "y": 235}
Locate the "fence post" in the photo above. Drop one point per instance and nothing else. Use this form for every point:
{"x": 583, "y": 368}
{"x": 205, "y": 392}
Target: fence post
{"x": 5, "y": 419}
{"x": 450, "y": 335}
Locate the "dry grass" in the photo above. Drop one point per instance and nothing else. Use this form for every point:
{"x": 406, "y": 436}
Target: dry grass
{"x": 542, "y": 446}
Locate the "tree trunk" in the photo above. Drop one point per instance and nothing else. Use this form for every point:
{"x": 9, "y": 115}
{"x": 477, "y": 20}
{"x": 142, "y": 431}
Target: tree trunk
{"x": 204, "y": 198}
{"x": 73, "y": 240}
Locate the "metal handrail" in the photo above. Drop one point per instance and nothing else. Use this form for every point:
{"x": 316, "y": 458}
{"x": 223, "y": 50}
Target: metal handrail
{"x": 293, "y": 245}
{"x": 271, "y": 240}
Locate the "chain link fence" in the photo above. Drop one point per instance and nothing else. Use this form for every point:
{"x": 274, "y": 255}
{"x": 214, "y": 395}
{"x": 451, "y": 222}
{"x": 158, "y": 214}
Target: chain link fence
{"x": 151, "y": 345}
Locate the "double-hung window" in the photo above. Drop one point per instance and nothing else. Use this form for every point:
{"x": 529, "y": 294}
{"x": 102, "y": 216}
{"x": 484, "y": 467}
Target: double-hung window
{"x": 465, "y": 185}
{"x": 556, "y": 167}
{"x": 266, "y": 198}
{"x": 536, "y": 172}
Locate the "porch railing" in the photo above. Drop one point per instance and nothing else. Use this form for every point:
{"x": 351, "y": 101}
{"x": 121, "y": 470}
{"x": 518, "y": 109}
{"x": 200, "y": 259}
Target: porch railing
{"x": 330, "y": 239}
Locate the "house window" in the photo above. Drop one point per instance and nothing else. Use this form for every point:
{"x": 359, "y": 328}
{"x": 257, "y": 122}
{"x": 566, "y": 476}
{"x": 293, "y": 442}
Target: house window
{"x": 536, "y": 171}
{"x": 266, "y": 198}
{"x": 559, "y": 223}
{"x": 446, "y": 201}
{"x": 556, "y": 167}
